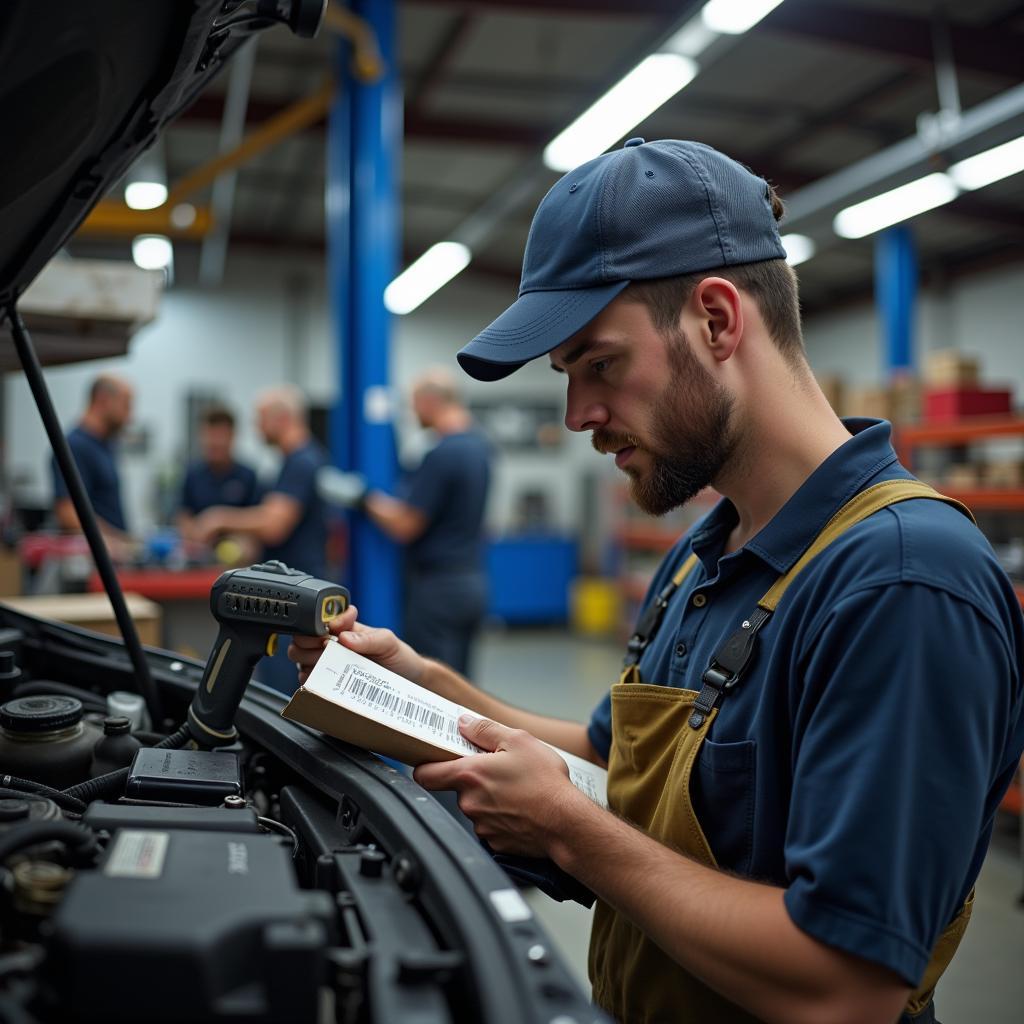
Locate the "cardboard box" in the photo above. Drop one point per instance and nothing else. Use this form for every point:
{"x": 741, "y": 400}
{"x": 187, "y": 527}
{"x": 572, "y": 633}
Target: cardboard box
{"x": 950, "y": 368}
{"x": 957, "y": 403}
{"x": 873, "y": 402}
{"x": 92, "y": 611}
{"x": 833, "y": 387}
{"x": 363, "y": 703}
{"x": 905, "y": 398}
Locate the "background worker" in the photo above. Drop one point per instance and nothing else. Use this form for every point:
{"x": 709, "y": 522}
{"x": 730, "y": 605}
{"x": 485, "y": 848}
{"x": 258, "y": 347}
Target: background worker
{"x": 92, "y": 444}
{"x": 216, "y": 478}
{"x": 800, "y": 844}
{"x": 440, "y": 519}
{"x": 289, "y": 520}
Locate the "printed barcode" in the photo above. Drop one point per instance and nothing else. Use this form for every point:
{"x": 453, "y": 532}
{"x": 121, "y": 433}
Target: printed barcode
{"x": 410, "y": 710}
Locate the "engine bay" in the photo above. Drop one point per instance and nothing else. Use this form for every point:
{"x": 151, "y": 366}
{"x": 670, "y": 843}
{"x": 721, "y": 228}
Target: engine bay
{"x": 287, "y": 877}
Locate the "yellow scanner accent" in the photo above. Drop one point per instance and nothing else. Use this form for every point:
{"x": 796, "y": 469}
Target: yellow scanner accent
{"x": 271, "y": 645}
{"x": 331, "y": 606}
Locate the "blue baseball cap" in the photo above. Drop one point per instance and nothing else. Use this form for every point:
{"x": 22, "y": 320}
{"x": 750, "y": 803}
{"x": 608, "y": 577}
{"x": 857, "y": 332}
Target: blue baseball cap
{"x": 648, "y": 210}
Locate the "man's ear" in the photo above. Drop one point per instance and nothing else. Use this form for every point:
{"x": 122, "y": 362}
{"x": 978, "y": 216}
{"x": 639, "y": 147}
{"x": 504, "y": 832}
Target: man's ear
{"x": 715, "y": 303}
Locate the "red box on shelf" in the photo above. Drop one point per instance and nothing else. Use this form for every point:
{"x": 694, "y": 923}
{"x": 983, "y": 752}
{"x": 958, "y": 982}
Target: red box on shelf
{"x": 954, "y": 403}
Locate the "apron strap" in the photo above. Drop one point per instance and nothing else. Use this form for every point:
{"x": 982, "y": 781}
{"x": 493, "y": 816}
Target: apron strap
{"x": 730, "y": 661}
{"x": 652, "y": 616}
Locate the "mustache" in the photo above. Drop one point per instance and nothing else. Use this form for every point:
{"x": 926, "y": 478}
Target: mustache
{"x": 607, "y": 441}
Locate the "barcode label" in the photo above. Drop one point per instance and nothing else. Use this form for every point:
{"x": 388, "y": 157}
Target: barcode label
{"x": 366, "y": 688}
{"x": 412, "y": 711}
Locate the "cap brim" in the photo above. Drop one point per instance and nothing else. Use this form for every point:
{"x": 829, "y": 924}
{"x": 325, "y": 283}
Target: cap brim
{"x": 533, "y": 325}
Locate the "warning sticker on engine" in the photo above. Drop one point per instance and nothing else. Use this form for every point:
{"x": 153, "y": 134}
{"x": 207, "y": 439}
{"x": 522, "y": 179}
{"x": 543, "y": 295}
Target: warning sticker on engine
{"x": 137, "y": 854}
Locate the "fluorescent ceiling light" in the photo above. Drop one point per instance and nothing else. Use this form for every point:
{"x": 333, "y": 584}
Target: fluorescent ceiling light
{"x": 691, "y": 40}
{"x": 152, "y": 252}
{"x": 735, "y": 16}
{"x": 891, "y": 207}
{"x": 653, "y": 81}
{"x": 433, "y": 270}
{"x": 992, "y": 165}
{"x": 799, "y": 248}
{"x": 145, "y": 195}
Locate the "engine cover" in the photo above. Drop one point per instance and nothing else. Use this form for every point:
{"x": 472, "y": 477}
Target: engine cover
{"x": 185, "y": 925}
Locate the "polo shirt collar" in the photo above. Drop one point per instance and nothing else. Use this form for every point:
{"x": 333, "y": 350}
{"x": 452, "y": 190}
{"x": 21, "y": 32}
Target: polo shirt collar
{"x": 792, "y": 529}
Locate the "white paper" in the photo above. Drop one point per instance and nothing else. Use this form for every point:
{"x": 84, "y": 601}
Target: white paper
{"x": 368, "y": 689}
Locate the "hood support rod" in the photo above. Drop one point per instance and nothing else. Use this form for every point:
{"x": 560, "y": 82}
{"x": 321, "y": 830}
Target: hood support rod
{"x": 86, "y": 515}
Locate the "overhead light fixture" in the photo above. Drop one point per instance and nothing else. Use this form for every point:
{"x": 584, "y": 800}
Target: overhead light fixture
{"x": 692, "y": 39}
{"x": 433, "y": 270}
{"x": 152, "y": 252}
{"x": 734, "y": 17}
{"x": 145, "y": 195}
{"x": 651, "y": 83}
{"x": 894, "y": 206}
{"x": 799, "y": 248}
{"x": 992, "y": 165}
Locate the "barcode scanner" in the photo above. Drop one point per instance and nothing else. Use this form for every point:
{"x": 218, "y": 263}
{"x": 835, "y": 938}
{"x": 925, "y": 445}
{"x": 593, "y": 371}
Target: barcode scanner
{"x": 253, "y": 606}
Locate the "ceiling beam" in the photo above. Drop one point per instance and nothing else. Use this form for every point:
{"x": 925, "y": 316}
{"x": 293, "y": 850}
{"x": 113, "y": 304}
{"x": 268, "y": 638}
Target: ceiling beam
{"x": 437, "y": 63}
{"x": 989, "y": 51}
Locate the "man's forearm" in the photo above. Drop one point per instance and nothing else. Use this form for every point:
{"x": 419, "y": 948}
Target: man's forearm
{"x": 733, "y": 934}
{"x": 569, "y": 736}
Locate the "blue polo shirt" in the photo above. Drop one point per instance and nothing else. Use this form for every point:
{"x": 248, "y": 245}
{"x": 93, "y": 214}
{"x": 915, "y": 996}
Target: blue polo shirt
{"x": 205, "y": 487}
{"x": 306, "y": 547}
{"x": 450, "y": 488}
{"x": 94, "y": 457}
{"x": 860, "y": 761}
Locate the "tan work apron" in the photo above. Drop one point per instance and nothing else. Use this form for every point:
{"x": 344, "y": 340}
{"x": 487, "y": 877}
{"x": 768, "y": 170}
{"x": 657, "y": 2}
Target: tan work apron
{"x": 655, "y": 743}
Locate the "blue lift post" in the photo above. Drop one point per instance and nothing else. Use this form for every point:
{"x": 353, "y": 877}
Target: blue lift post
{"x": 363, "y": 150}
{"x": 895, "y": 297}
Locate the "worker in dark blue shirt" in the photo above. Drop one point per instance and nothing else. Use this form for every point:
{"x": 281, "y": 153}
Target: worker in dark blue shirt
{"x": 822, "y": 703}
{"x": 289, "y": 520}
{"x": 216, "y": 478}
{"x": 92, "y": 444}
{"x": 439, "y": 517}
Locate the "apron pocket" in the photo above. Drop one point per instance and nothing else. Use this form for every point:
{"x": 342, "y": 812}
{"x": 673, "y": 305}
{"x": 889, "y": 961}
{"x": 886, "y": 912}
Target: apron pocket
{"x": 722, "y": 793}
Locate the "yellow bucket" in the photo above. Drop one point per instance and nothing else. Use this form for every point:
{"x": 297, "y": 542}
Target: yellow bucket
{"x": 596, "y": 607}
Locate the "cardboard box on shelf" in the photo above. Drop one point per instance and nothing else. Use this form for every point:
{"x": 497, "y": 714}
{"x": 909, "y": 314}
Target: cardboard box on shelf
{"x": 962, "y": 476}
{"x": 905, "y": 399}
{"x": 950, "y": 368}
{"x": 1005, "y": 474}
{"x": 833, "y": 388}
{"x": 10, "y": 572}
{"x": 874, "y": 402}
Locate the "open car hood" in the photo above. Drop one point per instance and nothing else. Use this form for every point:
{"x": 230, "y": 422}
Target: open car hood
{"x": 85, "y": 88}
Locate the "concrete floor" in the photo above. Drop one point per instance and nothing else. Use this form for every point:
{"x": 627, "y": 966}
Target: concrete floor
{"x": 552, "y": 671}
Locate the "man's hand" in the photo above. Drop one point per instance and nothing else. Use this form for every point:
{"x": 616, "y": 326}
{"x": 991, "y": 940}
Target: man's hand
{"x": 207, "y": 526}
{"x": 518, "y": 794}
{"x": 379, "y": 645}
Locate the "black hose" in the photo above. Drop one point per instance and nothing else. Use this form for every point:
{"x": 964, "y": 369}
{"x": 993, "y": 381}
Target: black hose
{"x": 90, "y": 701}
{"x": 61, "y": 798}
{"x": 113, "y": 782}
{"x": 79, "y": 840}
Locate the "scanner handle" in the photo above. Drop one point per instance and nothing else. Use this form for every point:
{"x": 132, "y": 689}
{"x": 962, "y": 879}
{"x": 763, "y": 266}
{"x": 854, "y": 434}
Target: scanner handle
{"x": 228, "y": 671}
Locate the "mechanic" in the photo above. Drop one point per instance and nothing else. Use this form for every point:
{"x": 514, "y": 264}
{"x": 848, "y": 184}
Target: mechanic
{"x": 216, "y": 478}
{"x": 290, "y": 519}
{"x": 805, "y": 850}
{"x": 92, "y": 444}
{"x": 440, "y": 520}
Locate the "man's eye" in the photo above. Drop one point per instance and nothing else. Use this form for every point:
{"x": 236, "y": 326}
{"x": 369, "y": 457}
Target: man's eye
{"x": 600, "y": 365}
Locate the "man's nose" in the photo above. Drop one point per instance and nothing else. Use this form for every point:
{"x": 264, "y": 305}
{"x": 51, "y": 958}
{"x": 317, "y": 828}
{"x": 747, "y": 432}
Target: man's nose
{"x": 582, "y": 410}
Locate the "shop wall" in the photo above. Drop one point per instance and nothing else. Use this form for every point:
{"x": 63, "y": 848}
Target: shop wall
{"x": 269, "y": 323}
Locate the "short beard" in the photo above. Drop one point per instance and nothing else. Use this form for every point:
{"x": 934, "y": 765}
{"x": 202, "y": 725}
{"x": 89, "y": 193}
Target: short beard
{"x": 691, "y": 436}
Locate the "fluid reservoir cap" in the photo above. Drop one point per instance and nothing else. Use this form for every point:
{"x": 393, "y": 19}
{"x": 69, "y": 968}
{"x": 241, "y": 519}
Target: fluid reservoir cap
{"x": 8, "y": 667}
{"x": 13, "y": 809}
{"x": 116, "y": 725}
{"x": 40, "y": 714}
